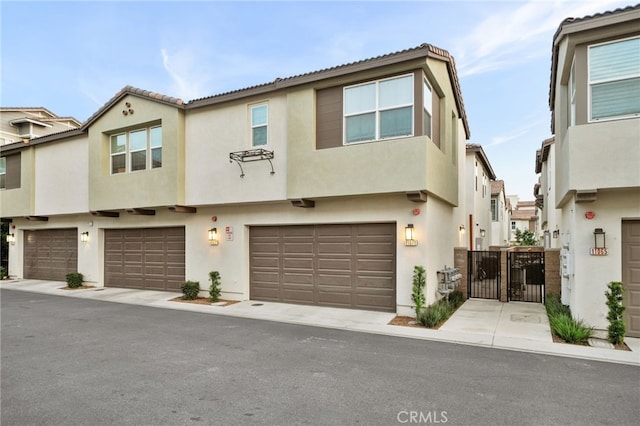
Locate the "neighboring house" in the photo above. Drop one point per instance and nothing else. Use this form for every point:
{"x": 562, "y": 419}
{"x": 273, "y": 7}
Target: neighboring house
{"x": 545, "y": 194}
{"x": 523, "y": 217}
{"x": 23, "y": 124}
{"x": 300, "y": 190}
{"x": 595, "y": 104}
{"x": 500, "y": 214}
{"x": 478, "y": 188}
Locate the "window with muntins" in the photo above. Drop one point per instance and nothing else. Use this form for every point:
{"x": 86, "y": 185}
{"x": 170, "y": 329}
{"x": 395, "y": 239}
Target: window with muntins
{"x": 494, "y": 210}
{"x": 139, "y": 149}
{"x": 3, "y": 172}
{"x": 614, "y": 79}
{"x": 259, "y": 125}
{"x": 379, "y": 110}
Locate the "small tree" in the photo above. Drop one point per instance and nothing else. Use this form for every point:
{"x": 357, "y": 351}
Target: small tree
{"x": 617, "y": 328}
{"x": 214, "y": 289}
{"x": 419, "y": 282}
{"x": 526, "y": 238}
{"x": 190, "y": 290}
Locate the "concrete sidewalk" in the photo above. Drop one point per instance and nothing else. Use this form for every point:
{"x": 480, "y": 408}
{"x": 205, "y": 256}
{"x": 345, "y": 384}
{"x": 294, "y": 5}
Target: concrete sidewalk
{"x": 515, "y": 326}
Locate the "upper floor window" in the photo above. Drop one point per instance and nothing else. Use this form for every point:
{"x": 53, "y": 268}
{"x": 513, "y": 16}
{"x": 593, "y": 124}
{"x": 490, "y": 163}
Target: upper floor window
{"x": 614, "y": 79}
{"x": 513, "y": 225}
{"x": 3, "y": 172}
{"x": 428, "y": 105}
{"x": 259, "y": 125}
{"x": 139, "y": 149}
{"x": 572, "y": 95}
{"x": 378, "y": 110}
{"x": 494, "y": 209}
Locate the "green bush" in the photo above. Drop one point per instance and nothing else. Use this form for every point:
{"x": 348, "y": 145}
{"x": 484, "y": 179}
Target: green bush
{"x": 569, "y": 329}
{"x": 456, "y": 299}
{"x": 433, "y": 315}
{"x": 74, "y": 279}
{"x": 419, "y": 282}
{"x": 554, "y": 306}
{"x": 190, "y": 290}
{"x": 214, "y": 288}
{"x": 3, "y": 272}
{"x": 617, "y": 327}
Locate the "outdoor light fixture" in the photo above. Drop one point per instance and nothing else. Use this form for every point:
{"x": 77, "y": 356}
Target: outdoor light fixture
{"x": 11, "y": 238}
{"x": 213, "y": 236}
{"x": 409, "y": 236}
{"x": 556, "y": 233}
{"x": 599, "y": 237}
{"x": 84, "y": 237}
{"x": 483, "y": 233}
{"x": 461, "y": 228}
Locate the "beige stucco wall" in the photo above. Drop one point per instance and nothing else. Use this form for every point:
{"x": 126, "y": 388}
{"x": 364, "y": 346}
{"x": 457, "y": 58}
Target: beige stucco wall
{"x": 584, "y": 289}
{"x": 61, "y": 185}
{"x": 148, "y": 188}
{"x": 214, "y": 132}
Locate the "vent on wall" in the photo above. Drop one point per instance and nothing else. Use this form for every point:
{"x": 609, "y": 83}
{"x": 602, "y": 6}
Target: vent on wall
{"x": 586, "y": 196}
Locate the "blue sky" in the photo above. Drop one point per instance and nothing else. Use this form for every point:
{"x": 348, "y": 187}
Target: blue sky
{"x": 72, "y": 57}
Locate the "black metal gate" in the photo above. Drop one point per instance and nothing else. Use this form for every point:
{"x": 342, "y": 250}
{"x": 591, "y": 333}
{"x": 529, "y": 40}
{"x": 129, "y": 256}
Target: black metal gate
{"x": 483, "y": 274}
{"x": 525, "y": 280}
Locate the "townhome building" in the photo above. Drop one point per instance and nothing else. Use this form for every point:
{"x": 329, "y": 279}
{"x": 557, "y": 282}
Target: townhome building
{"x": 500, "y": 214}
{"x": 595, "y": 104}
{"x": 544, "y": 191}
{"x": 524, "y": 217}
{"x": 325, "y": 188}
{"x": 20, "y": 124}
{"x": 479, "y": 175}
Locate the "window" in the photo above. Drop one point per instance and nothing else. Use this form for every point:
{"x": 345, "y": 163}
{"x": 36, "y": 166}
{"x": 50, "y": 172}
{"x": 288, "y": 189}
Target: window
{"x": 572, "y": 95}
{"x": 379, "y": 110}
{"x": 614, "y": 79}
{"x": 494, "y": 209}
{"x": 259, "y": 122}
{"x": 427, "y": 115}
{"x": 3, "y": 172}
{"x": 139, "y": 149}
{"x": 513, "y": 225}
{"x": 484, "y": 185}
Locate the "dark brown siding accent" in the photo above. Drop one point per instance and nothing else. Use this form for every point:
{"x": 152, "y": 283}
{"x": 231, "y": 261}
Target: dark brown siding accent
{"x": 418, "y": 103}
{"x": 349, "y": 266}
{"x": 13, "y": 171}
{"x": 329, "y": 118}
{"x": 50, "y": 254}
{"x": 147, "y": 258}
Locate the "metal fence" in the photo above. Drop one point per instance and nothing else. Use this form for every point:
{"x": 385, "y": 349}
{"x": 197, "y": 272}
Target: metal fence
{"x": 525, "y": 280}
{"x": 483, "y": 274}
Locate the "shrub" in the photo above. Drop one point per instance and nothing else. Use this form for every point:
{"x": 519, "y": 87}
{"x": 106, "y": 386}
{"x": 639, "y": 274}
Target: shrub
{"x": 74, "y": 279}
{"x": 569, "y": 329}
{"x": 419, "y": 282}
{"x": 434, "y": 314}
{"x": 617, "y": 328}
{"x": 456, "y": 299}
{"x": 214, "y": 288}
{"x": 190, "y": 290}
{"x": 554, "y": 306}
{"x": 3, "y": 272}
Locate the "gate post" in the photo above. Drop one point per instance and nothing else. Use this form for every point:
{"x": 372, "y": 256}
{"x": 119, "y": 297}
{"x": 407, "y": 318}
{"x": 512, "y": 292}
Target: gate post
{"x": 503, "y": 276}
{"x": 551, "y": 272}
{"x": 460, "y": 262}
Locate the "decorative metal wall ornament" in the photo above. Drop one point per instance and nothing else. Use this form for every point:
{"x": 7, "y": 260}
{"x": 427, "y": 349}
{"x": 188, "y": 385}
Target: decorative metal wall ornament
{"x": 251, "y": 155}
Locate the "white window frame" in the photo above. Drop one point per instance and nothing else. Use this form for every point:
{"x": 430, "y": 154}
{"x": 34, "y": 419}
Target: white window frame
{"x": 494, "y": 210}
{"x": 592, "y": 83}
{"x": 378, "y": 110}
{"x": 572, "y": 94}
{"x": 259, "y": 125}
{"x": 128, "y": 151}
{"x": 427, "y": 101}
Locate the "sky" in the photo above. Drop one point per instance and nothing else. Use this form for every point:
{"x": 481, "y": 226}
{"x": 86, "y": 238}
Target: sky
{"x": 72, "y": 57}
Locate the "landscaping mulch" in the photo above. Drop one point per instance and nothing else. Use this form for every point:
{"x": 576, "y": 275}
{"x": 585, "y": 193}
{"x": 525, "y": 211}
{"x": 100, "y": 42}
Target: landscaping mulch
{"x": 205, "y": 301}
{"x": 82, "y": 287}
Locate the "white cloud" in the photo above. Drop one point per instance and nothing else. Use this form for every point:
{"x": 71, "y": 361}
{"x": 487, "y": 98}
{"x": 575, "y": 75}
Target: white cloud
{"x": 188, "y": 79}
{"x": 519, "y": 133}
{"x": 519, "y": 33}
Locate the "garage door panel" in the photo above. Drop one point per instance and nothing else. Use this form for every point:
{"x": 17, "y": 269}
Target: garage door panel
{"x": 50, "y": 254}
{"x": 150, "y": 258}
{"x": 334, "y": 262}
{"x": 631, "y": 275}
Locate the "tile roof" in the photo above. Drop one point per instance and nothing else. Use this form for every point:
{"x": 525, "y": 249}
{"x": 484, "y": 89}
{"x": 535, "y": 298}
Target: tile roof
{"x": 477, "y": 148}
{"x": 497, "y": 186}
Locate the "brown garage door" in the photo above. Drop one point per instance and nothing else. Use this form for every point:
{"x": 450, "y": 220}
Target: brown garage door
{"x": 350, "y": 266}
{"x": 50, "y": 254}
{"x": 631, "y": 275}
{"x": 149, "y": 258}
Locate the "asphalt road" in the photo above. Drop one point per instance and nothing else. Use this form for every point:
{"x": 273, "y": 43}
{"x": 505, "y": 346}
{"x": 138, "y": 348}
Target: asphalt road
{"x": 68, "y": 361}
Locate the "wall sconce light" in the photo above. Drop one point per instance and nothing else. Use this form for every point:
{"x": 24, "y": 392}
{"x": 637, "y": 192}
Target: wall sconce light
{"x": 556, "y": 233}
{"x": 213, "y": 236}
{"x": 599, "y": 237}
{"x": 11, "y": 238}
{"x": 409, "y": 236}
{"x": 483, "y": 233}
{"x": 84, "y": 237}
{"x": 461, "y": 228}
